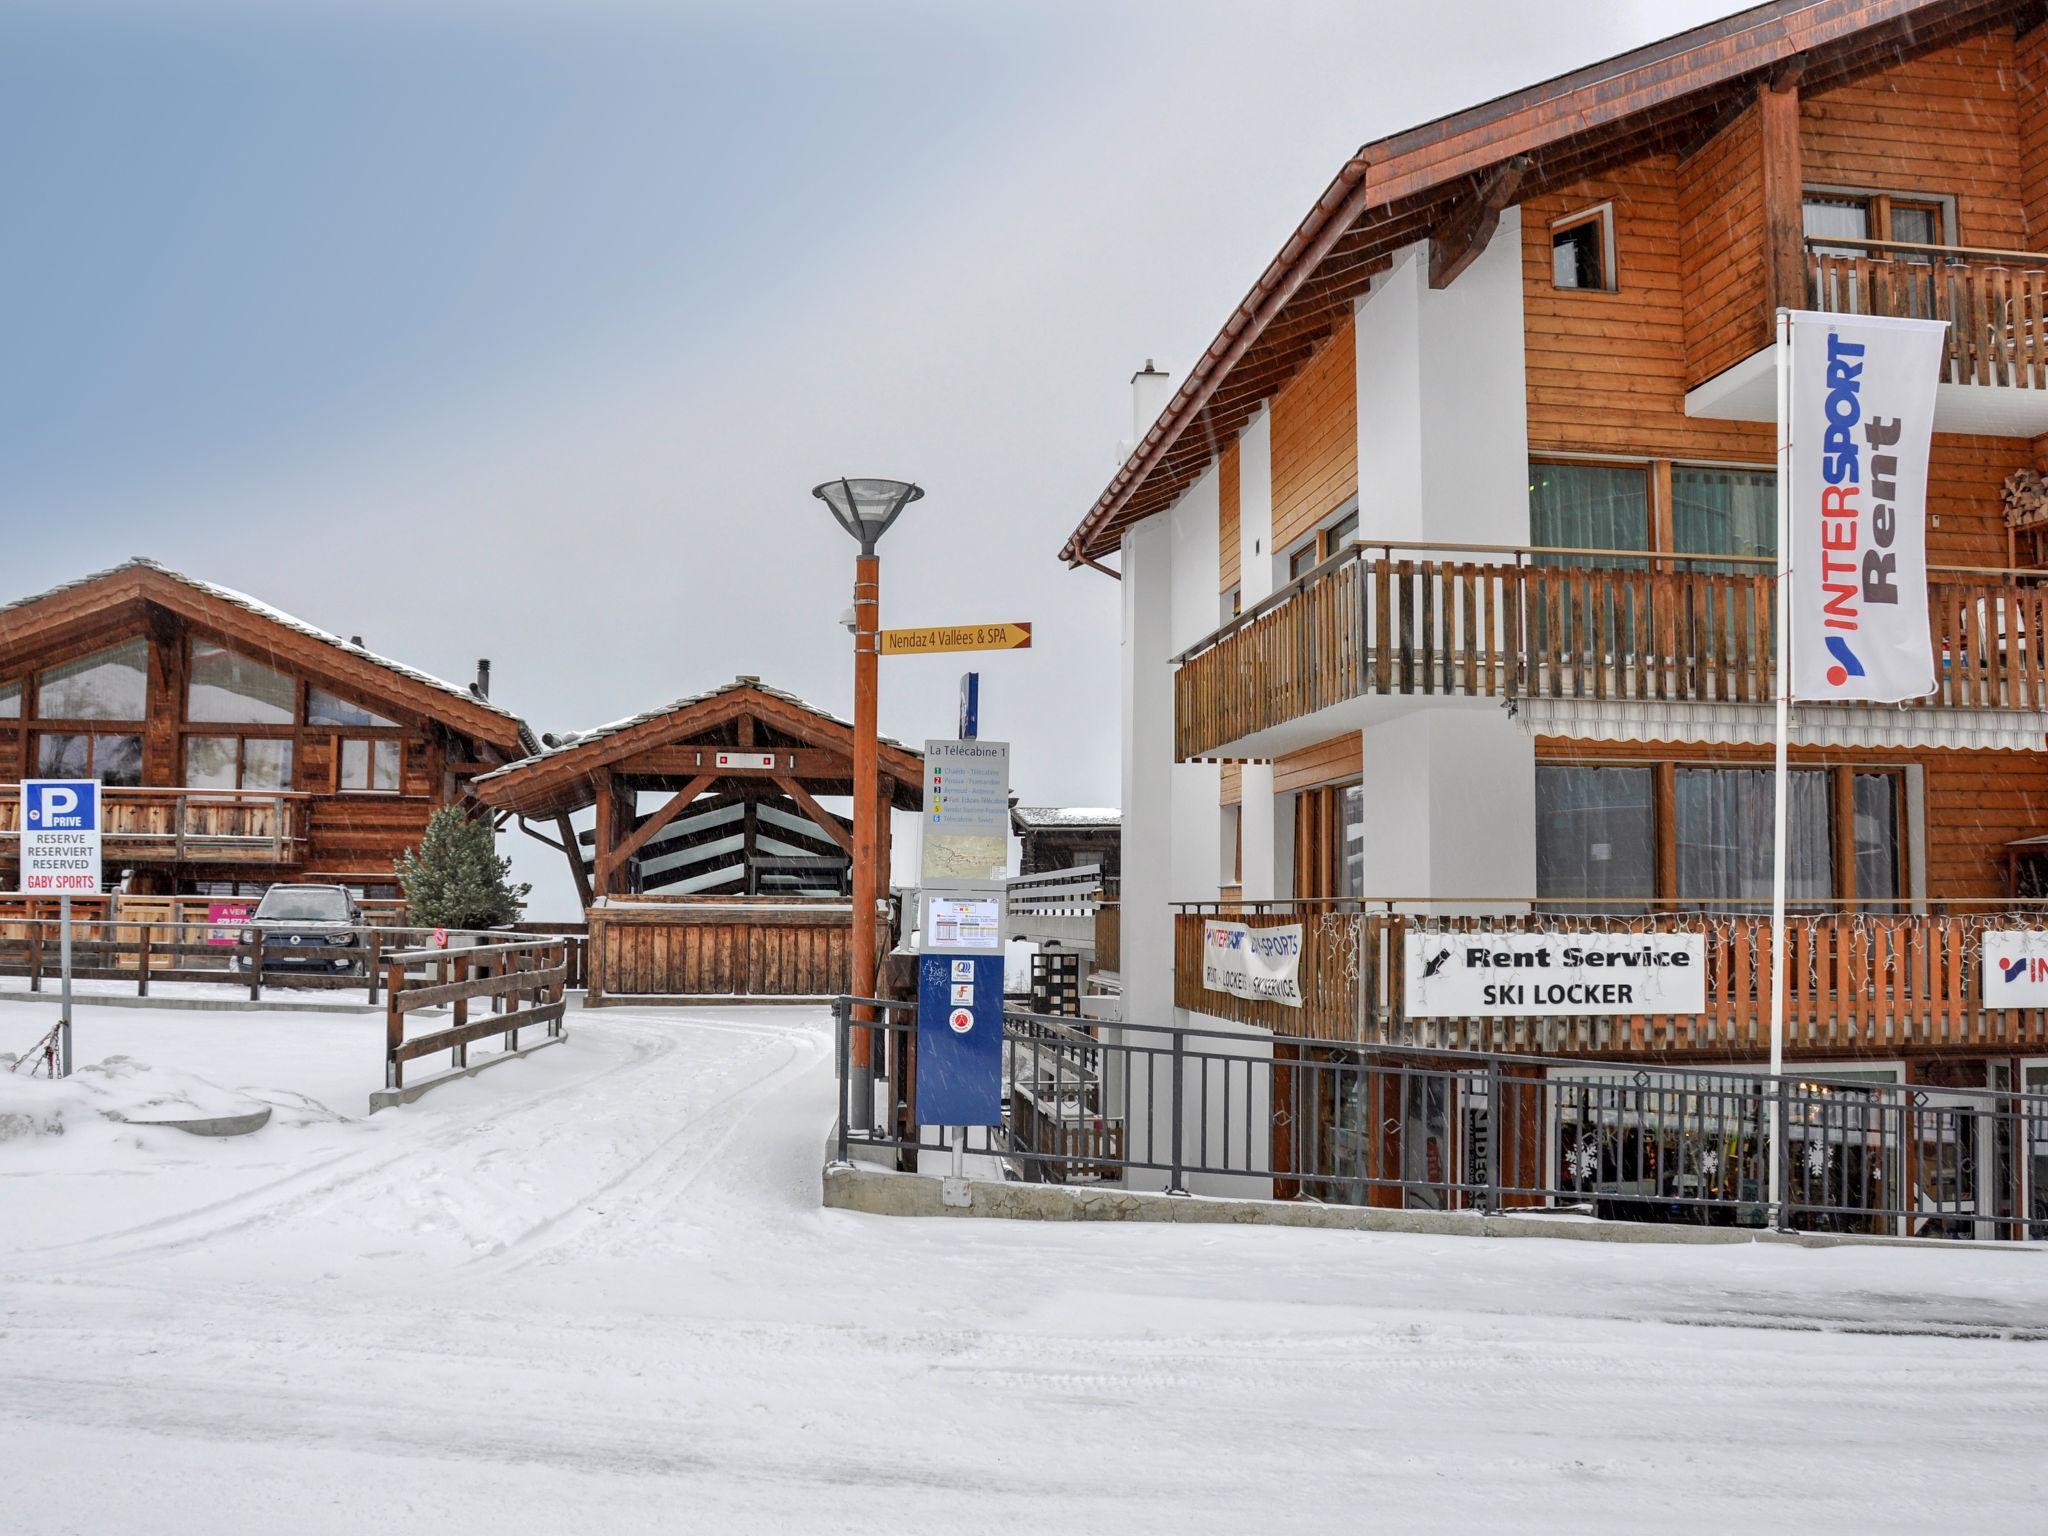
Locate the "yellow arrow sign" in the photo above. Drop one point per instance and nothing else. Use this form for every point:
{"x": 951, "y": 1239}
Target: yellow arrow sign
{"x": 956, "y": 637}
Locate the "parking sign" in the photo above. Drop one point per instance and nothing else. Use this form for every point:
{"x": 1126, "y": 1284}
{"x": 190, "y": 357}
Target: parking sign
{"x": 60, "y": 837}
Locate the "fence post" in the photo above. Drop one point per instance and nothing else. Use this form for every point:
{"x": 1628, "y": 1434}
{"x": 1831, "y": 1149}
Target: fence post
{"x": 841, "y": 1013}
{"x": 1781, "y": 1134}
{"x": 1175, "y": 1184}
{"x": 1494, "y": 1106}
{"x": 142, "y": 959}
{"x": 394, "y": 1026}
{"x": 461, "y": 1052}
{"x": 256, "y": 963}
{"x": 376, "y": 960}
{"x": 35, "y": 954}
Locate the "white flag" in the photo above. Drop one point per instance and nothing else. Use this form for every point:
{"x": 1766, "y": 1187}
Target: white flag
{"x": 1861, "y": 420}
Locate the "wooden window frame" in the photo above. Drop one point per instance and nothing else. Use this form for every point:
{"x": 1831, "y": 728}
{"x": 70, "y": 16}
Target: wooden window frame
{"x": 370, "y": 740}
{"x": 1878, "y": 205}
{"x": 241, "y": 739}
{"x": 1601, "y": 215}
{"x": 1320, "y": 542}
{"x": 1656, "y": 492}
{"x": 91, "y": 730}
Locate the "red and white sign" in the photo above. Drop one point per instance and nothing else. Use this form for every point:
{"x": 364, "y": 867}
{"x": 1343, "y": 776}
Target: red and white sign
{"x": 962, "y": 1020}
{"x": 1863, "y": 392}
{"x": 765, "y": 761}
{"x": 2014, "y": 968}
{"x": 440, "y": 938}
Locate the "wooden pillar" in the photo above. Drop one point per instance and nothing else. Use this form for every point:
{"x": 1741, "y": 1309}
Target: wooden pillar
{"x": 607, "y": 833}
{"x": 1783, "y": 195}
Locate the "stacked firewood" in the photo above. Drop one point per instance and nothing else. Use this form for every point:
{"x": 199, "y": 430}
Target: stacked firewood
{"x": 2026, "y": 499}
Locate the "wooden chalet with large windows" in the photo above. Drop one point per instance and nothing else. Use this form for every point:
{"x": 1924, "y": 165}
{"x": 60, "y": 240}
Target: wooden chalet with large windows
{"x": 732, "y": 879}
{"x": 1447, "y": 570}
{"x": 239, "y": 746}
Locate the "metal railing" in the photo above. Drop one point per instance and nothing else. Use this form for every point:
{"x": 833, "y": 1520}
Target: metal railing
{"x": 1207, "y": 1111}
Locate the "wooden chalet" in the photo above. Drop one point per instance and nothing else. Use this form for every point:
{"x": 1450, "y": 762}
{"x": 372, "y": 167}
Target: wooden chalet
{"x": 238, "y": 746}
{"x": 736, "y": 881}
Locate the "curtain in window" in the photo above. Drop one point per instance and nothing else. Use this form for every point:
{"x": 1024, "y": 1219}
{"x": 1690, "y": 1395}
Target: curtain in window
{"x": 1724, "y": 836}
{"x": 1589, "y": 506}
{"x": 1877, "y": 837}
{"x": 227, "y": 687}
{"x": 110, "y": 685}
{"x": 1724, "y": 512}
{"x": 1595, "y": 838}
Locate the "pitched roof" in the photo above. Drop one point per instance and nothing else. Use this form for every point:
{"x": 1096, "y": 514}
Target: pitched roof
{"x": 1428, "y": 180}
{"x": 144, "y": 578}
{"x": 570, "y": 757}
{"x": 1074, "y": 818}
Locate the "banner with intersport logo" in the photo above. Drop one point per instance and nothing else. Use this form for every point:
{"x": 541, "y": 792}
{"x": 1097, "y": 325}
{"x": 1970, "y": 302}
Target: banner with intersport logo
{"x": 1862, "y": 415}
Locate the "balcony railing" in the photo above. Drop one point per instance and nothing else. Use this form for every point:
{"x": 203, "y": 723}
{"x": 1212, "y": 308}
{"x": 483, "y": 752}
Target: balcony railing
{"x": 1856, "y": 981}
{"x": 1996, "y": 302}
{"x": 1492, "y": 621}
{"x": 187, "y": 826}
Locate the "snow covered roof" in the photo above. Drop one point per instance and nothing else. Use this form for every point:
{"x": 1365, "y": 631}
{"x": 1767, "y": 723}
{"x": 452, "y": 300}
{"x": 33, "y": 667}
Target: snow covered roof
{"x": 275, "y": 615}
{"x": 1044, "y": 818}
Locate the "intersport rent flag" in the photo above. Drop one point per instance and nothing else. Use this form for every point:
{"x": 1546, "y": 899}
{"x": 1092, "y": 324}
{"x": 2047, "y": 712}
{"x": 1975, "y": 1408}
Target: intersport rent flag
{"x": 1862, "y": 415}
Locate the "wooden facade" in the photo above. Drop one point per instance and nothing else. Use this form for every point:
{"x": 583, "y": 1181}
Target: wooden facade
{"x": 734, "y": 880}
{"x": 239, "y": 746}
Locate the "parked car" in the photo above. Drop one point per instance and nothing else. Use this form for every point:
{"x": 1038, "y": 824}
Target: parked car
{"x": 296, "y": 918}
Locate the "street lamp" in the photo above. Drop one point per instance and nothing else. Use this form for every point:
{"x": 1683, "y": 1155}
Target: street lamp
{"x": 865, "y": 509}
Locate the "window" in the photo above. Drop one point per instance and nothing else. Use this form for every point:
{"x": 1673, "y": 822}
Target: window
{"x": 1351, "y": 810}
{"x": 1827, "y": 216}
{"x": 238, "y": 762}
{"x": 1582, "y": 250}
{"x": 1840, "y": 214}
{"x": 227, "y": 688}
{"x": 112, "y": 759}
{"x": 1879, "y": 808}
{"x": 1595, "y": 837}
{"x": 370, "y": 766}
{"x": 1724, "y": 512}
{"x": 10, "y": 701}
{"x": 323, "y": 708}
{"x": 1336, "y": 531}
{"x": 1725, "y": 822}
{"x": 108, "y": 685}
{"x": 1589, "y": 506}
{"x": 1232, "y": 604}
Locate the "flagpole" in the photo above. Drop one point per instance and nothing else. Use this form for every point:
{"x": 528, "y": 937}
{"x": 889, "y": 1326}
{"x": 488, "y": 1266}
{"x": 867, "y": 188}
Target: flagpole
{"x": 1780, "y": 775}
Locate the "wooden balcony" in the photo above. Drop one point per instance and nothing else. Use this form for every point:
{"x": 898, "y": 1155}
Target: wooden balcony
{"x": 187, "y": 826}
{"x": 1996, "y": 302}
{"x": 1856, "y": 984}
{"x": 1500, "y": 623}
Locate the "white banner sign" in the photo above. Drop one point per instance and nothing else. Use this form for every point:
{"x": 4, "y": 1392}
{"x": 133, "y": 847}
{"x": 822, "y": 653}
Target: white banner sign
{"x": 60, "y": 837}
{"x": 1554, "y": 975}
{"x": 2014, "y": 964}
{"x": 1262, "y": 965}
{"x": 1862, "y": 415}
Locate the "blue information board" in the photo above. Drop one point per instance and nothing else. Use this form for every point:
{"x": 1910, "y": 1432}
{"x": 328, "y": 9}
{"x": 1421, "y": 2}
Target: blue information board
{"x": 960, "y": 1039}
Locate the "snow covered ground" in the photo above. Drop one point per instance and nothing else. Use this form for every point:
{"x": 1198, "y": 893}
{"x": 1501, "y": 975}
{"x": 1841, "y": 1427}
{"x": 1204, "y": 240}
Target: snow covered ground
{"x": 594, "y": 1291}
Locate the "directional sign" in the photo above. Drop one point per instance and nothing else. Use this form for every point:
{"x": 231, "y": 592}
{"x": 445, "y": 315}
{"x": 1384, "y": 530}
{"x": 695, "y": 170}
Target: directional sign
{"x": 60, "y": 837}
{"x": 956, "y": 637}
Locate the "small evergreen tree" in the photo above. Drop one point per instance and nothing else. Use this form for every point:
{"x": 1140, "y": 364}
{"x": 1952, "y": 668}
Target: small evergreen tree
{"x": 455, "y": 878}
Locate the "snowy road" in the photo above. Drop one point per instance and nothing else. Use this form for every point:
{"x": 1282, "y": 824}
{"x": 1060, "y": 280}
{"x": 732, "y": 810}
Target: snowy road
{"x": 594, "y": 1291}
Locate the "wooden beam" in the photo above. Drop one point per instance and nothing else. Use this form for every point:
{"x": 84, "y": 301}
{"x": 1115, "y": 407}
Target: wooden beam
{"x": 677, "y": 804}
{"x": 1722, "y": 121}
{"x": 1783, "y": 193}
{"x": 1464, "y": 236}
{"x": 824, "y": 819}
{"x": 691, "y": 758}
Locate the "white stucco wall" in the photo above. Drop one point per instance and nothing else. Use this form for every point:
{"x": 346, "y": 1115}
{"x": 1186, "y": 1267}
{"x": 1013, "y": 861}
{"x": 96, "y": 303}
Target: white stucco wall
{"x": 1451, "y": 798}
{"x": 1255, "y": 508}
{"x": 1148, "y": 830}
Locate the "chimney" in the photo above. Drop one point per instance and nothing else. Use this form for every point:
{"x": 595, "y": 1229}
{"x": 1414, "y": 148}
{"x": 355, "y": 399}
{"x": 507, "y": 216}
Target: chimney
{"x": 1150, "y": 390}
{"x": 356, "y": 641}
{"x": 483, "y": 677}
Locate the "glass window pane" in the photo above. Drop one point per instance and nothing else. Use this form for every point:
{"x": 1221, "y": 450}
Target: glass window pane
{"x": 384, "y": 772}
{"x": 10, "y": 701}
{"x": 1724, "y": 512}
{"x": 1343, "y": 531}
{"x": 266, "y": 763}
{"x": 63, "y": 757}
{"x": 1838, "y": 218}
{"x": 109, "y": 685}
{"x": 210, "y": 762}
{"x": 1595, "y": 837}
{"x": 1877, "y": 835}
{"x": 1589, "y": 506}
{"x": 117, "y": 760}
{"x": 1916, "y": 225}
{"x": 226, "y": 686}
{"x": 1302, "y": 561}
{"x": 1352, "y": 878}
{"x": 1725, "y": 823}
{"x": 355, "y": 765}
{"x": 324, "y": 708}
{"x": 1578, "y": 255}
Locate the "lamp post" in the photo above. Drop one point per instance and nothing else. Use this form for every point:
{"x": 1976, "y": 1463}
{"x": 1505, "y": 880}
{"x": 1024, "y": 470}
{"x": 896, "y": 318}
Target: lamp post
{"x": 865, "y": 509}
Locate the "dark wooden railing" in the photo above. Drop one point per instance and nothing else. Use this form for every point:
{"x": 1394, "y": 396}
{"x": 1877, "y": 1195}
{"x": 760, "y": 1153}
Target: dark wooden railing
{"x": 521, "y": 983}
{"x": 1996, "y": 302}
{"x": 1856, "y": 982}
{"x": 1109, "y": 930}
{"x": 196, "y": 826}
{"x": 1527, "y": 624}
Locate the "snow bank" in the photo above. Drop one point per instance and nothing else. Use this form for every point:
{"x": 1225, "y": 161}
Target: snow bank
{"x": 117, "y": 1089}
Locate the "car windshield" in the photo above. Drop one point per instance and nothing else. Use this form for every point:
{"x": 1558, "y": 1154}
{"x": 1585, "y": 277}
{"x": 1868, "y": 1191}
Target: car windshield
{"x": 305, "y": 906}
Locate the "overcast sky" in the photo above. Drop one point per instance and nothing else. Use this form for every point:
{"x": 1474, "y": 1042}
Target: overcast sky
{"x": 523, "y": 331}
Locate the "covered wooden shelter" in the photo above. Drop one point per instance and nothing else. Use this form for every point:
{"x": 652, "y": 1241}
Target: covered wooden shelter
{"x": 734, "y": 882}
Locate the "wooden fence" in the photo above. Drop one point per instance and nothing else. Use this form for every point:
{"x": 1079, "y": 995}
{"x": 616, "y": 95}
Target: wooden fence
{"x": 1856, "y": 983}
{"x": 1996, "y": 302}
{"x": 521, "y": 982}
{"x": 1365, "y": 626}
{"x": 191, "y": 826}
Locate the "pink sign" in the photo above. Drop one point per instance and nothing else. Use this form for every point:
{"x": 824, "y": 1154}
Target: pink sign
{"x": 224, "y": 917}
